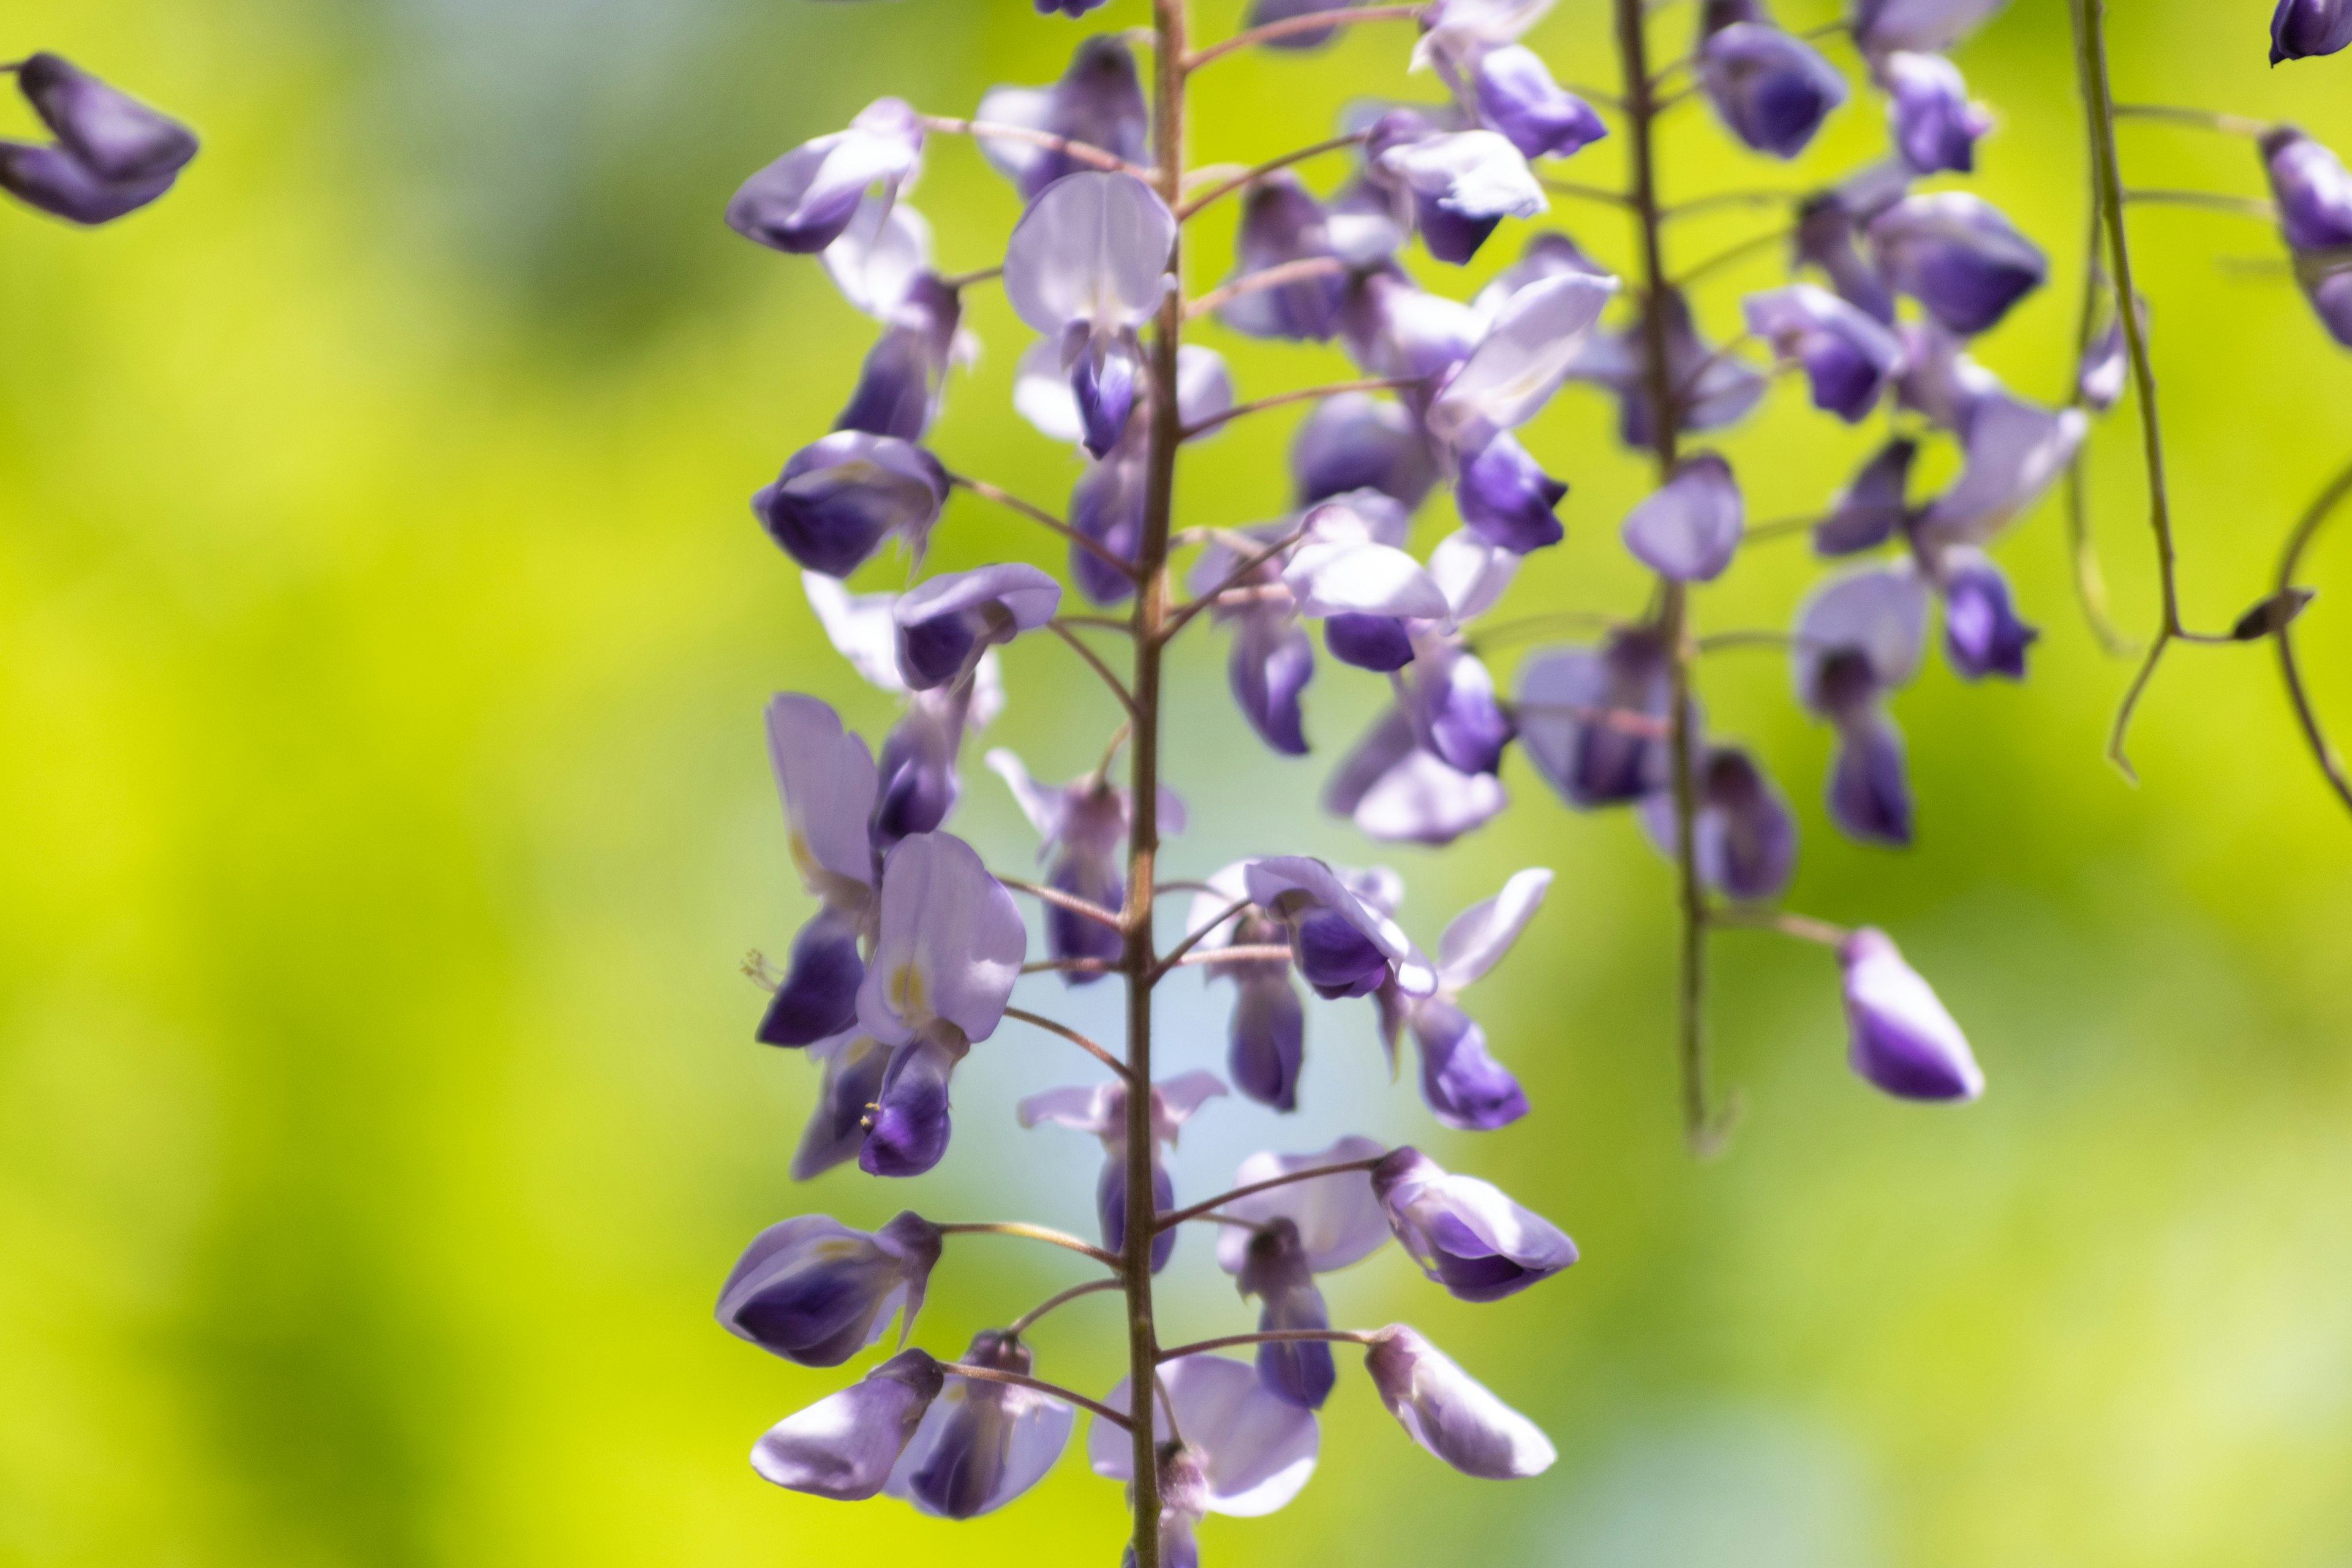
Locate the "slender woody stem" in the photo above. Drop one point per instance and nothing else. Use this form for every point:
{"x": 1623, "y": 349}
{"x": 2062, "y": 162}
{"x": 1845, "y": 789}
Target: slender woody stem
{"x": 1070, "y": 901}
{"x": 1044, "y": 518}
{"x": 1173, "y": 60}
{"x": 1094, "y": 661}
{"x": 1303, "y": 395}
{"x": 989, "y": 1374}
{"x": 1275, "y": 1337}
{"x": 2090, "y": 583}
{"x": 1227, "y": 186}
{"x": 1642, "y": 109}
{"x": 1263, "y": 278}
{"x": 1038, "y": 1020}
{"x": 1060, "y": 1299}
{"x": 2330, "y": 502}
{"x": 2098, "y": 108}
{"x": 1028, "y": 1233}
{"x": 1292, "y": 26}
{"x": 1170, "y": 1221}
{"x": 987, "y": 130}
{"x": 1196, "y": 937}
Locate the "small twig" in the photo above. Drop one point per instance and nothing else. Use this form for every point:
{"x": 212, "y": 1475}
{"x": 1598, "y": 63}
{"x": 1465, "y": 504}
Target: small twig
{"x": 1779, "y": 528}
{"x": 1196, "y": 938}
{"x": 2305, "y": 531}
{"x": 1071, "y": 966}
{"x": 1718, "y": 642}
{"x": 2216, "y": 201}
{"x": 1729, "y": 199}
{"x": 1044, "y": 518}
{"x": 1274, "y": 1337}
{"x": 1028, "y": 1319}
{"x": 1624, "y": 720}
{"x": 1070, "y": 901}
{"x": 1120, "y": 625}
{"x": 1264, "y": 953}
{"x": 1084, "y": 151}
{"x": 1028, "y": 1233}
{"x": 1804, "y": 928}
{"x": 1094, "y": 661}
{"x": 1227, "y": 186}
{"x": 1303, "y": 395}
{"x": 1233, "y": 1221}
{"x": 1585, "y": 193}
{"x": 978, "y": 275}
{"x": 1292, "y": 26}
{"x": 2204, "y": 118}
{"x": 989, "y": 1374}
{"x": 1267, "y": 278}
{"x": 1723, "y": 259}
{"x": 1183, "y": 617}
{"x": 1168, "y": 1221}
{"x": 1038, "y": 1020}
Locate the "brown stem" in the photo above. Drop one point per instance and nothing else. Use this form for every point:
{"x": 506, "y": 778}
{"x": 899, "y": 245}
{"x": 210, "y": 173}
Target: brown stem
{"x": 1044, "y": 518}
{"x": 1195, "y": 938}
{"x": 1265, "y": 278}
{"x": 1274, "y": 1337}
{"x": 1028, "y": 1233}
{"x": 1184, "y": 617}
{"x": 988, "y": 130}
{"x": 1227, "y": 186}
{"x": 1291, "y": 26}
{"x": 1304, "y": 394}
{"x": 1038, "y": 1020}
{"x": 1804, "y": 928}
{"x": 1029, "y": 1319}
{"x": 1070, "y": 901}
{"x": 1168, "y": 1221}
{"x": 2322, "y": 509}
{"x": 989, "y": 1374}
{"x": 1095, "y": 662}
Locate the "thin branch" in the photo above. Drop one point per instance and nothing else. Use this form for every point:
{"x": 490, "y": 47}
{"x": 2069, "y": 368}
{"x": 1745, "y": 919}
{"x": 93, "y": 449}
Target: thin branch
{"x": 989, "y": 1374}
{"x": 1028, "y": 1319}
{"x": 2090, "y": 582}
{"x": 978, "y": 275}
{"x": 1718, "y": 642}
{"x": 1804, "y": 928}
{"x": 1094, "y": 661}
{"x": 1585, "y": 193}
{"x": 1044, "y": 518}
{"x": 1038, "y": 1020}
{"x": 1071, "y": 966}
{"x": 1293, "y": 25}
{"x": 2203, "y": 119}
{"x": 988, "y": 130}
{"x": 1183, "y": 617}
{"x": 2305, "y": 531}
{"x": 1304, "y": 394}
{"x": 1274, "y": 277}
{"x": 1624, "y": 720}
{"x": 1196, "y": 938}
{"x": 1028, "y": 1233}
{"x": 1779, "y": 528}
{"x": 1274, "y": 1337}
{"x": 1070, "y": 901}
{"x": 1227, "y": 186}
{"x": 1170, "y": 1221}
{"x": 1265, "y": 953}
{"x": 1697, "y": 205}
{"x": 1723, "y": 259}
{"x": 2215, "y": 201}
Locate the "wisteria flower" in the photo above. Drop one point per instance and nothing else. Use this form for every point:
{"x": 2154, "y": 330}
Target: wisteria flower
{"x": 828, "y": 782}
{"x": 1848, "y": 357}
{"x": 1466, "y": 1235}
{"x": 1904, "y": 1042}
{"x": 1361, "y": 441}
{"x": 1958, "y": 257}
{"x": 905, "y": 378}
{"x": 1708, "y": 388}
{"x": 947, "y": 624}
{"x": 1941, "y": 380}
{"x": 2015, "y": 452}
{"x": 853, "y": 1063}
{"x": 113, "y": 154}
{"x": 1276, "y": 1270}
{"x": 948, "y": 948}
{"x": 1449, "y": 1413}
{"x": 1874, "y": 507}
{"x": 1101, "y": 1110}
{"x": 846, "y": 1447}
{"x": 805, "y": 200}
{"x": 1880, "y": 27}
{"x": 1772, "y": 89}
{"x": 1465, "y": 1087}
{"x": 816, "y": 1292}
{"x": 1462, "y": 184}
{"x": 1828, "y": 238}
{"x": 1397, "y": 791}
{"x": 841, "y": 498}
{"x": 1983, "y": 634}
{"x": 1937, "y": 129}
{"x": 1341, "y": 944}
{"x": 1282, "y": 225}
{"x": 1266, "y": 1036}
{"x": 2301, "y": 29}
{"x": 1246, "y": 1452}
{"x": 1088, "y": 265}
{"x": 2314, "y": 193}
{"x": 1525, "y": 355}
{"x": 1858, "y": 639}
{"x": 1743, "y": 835}
{"x": 1337, "y": 1218}
{"x": 1594, "y": 721}
{"x": 1099, "y": 102}
{"x": 1083, "y": 825}
{"x": 982, "y": 1444}
{"x": 1454, "y": 33}
{"x": 2105, "y": 369}
{"x": 1517, "y": 97}
{"x": 1689, "y": 529}
{"x": 876, "y": 261}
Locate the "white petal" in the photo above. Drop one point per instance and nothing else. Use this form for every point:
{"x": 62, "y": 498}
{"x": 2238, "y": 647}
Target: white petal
{"x": 1093, "y": 247}
{"x": 860, "y": 626}
{"x": 1363, "y": 579}
{"x": 1473, "y": 573}
{"x": 1045, "y": 808}
{"x": 1481, "y": 933}
{"x": 1524, "y": 358}
{"x": 1099, "y": 1109}
{"x": 1042, "y": 394}
{"x": 1260, "y": 1450}
{"x": 1339, "y": 1218}
{"x": 879, "y": 255}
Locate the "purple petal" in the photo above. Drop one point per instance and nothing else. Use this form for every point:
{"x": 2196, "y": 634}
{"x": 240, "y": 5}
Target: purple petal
{"x": 1772, "y": 89}
{"x": 911, "y": 1121}
{"x": 2301, "y": 29}
{"x": 1870, "y": 790}
{"x": 1848, "y": 357}
{"x": 804, "y": 201}
{"x": 1505, "y": 498}
{"x": 1466, "y": 1235}
{"x": 819, "y": 996}
{"x": 1873, "y": 508}
{"x": 1935, "y": 127}
{"x": 118, "y": 140}
{"x": 838, "y": 499}
{"x": 815, "y": 1292}
{"x": 982, "y": 1443}
{"x": 1518, "y": 97}
{"x": 1478, "y": 938}
{"x": 1981, "y": 632}
{"x": 1881, "y": 25}
{"x": 1689, "y": 530}
{"x": 1098, "y": 102}
{"x": 1357, "y": 441}
{"x": 1267, "y": 1041}
{"x": 1958, "y": 257}
{"x": 950, "y": 946}
{"x": 1271, "y": 662}
{"x": 1257, "y": 1450}
{"x": 1339, "y": 1219}
{"x": 853, "y": 1065}
{"x": 1451, "y": 1414}
{"x": 846, "y": 1447}
{"x": 1904, "y": 1042}
{"x": 1465, "y": 1088}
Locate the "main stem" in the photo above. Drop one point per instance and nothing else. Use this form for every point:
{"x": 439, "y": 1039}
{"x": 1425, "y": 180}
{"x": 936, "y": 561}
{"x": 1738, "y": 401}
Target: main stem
{"x": 2089, "y": 18}
{"x": 1673, "y": 615}
{"x": 1139, "y": 961}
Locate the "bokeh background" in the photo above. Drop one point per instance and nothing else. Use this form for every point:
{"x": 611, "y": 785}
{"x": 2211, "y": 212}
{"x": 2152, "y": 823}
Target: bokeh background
{"x": 382, "y": 638}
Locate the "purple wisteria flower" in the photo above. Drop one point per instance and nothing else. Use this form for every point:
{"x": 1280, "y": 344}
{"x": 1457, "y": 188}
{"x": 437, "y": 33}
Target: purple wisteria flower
{"x": 1465, "y": 1233}
{"x": 980, "y": 1445}
{"x": 1874, "y": 507}
{"x": 846, "y": 1447}
{"x": 841, "y": 498}
{"x": 1099, "y": 102}
{"x": 1594, "y": 721}
{"x": 1772, "y": 89}
{"x": 1361, "y": 441}
{"x": 1262, "y": 12}
{"x": 2015, "y": 452}
{"x": 947, "y": 624}
{"x": 1342, "y": 945}
{"x": 1689, "y": 529}
{"x": 1276, "y": 1270}
{"x": 1083, "y": 825}
{"x": 1517, "y": 97}
{"x": 1246, "y": 1452}
{"x": 1743, "y": 837}
{"x": 2314, "y": 193}
{"x": 2301, "y": 29}
{"x": 854, "y": 1062}
{"x": 1880, "y": 27}
{"x": 1460, "y": 186}
{"x": 1070, "y": 8}
{"x": 1454, "y": 33}
{"x": 816, "y": 1292}
{"x": 828, "y": 782}
{"x": 949, "y": 947}
{"x": 876, "y": 261}
{"x": 1088, "y": 265}
{"x": 1281, "y": 226}
{"x": 1983, "y": 634}
{"x": 806, "y": 199}
{"x": 1904, "y": 1042}
{"x": 1858, "y": 638}
{"x": 1935, "y": 128}
{"x": 1828, "y": 238}
{"x": 1958, "y": 257}
{"x": 905, "y": 378}
{"x": 1451, "y": 1414}
{"x": 1101, "y": 1109}
{"x": 1848, "y": 357}
{"x": 1267, "y": 1036}
{"x": 113, "y": 155}
{"x": 1337, "y": 1218}
{"x": 1709, "y": 389}
{"x": 1465, "y": 1087}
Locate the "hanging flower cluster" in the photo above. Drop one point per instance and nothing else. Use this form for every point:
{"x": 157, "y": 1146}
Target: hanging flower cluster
{"x": 910, "y": 959}
{"x": 111, "y": 155}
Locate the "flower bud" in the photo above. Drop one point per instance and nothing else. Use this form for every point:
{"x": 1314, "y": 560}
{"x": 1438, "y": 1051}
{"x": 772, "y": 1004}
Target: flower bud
{"x": 1451, "y": 1414}
{"x": 1466, "y": 1235}
{"x": 844, "y": 1447}
{"x": 816, "y": 1292}
{"x": 947, "y": 623}
{"x": 840, "y": 497}
{"x": 804, "y": 201}
{"x": 982, "y": 1443}
{"x": 1904, "y": 1042}
{"x": 1958, "y": 257}
{"x": 2301, "y": 29}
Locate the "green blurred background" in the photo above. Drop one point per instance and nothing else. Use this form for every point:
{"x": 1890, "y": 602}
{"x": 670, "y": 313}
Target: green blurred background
{"x": 383, "y": 636}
